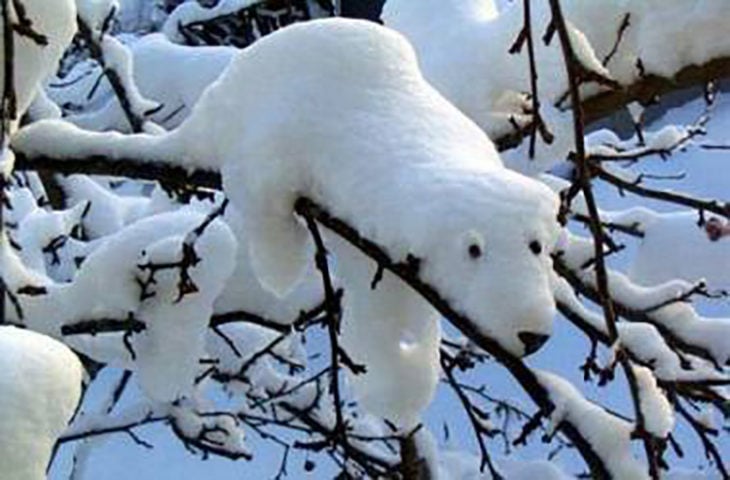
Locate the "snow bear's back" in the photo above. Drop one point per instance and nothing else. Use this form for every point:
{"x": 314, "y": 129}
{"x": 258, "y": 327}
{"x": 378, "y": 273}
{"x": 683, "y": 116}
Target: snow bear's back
{"x": 335, "y": 79}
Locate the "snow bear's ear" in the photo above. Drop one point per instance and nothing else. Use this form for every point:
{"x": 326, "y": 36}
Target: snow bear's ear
{"x": 278, "y": 248}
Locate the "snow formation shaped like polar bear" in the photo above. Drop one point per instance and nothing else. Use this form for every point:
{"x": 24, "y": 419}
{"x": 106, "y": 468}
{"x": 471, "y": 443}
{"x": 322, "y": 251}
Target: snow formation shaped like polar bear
{"x": 40, "y": 388}
{"x": 338, "y": 110}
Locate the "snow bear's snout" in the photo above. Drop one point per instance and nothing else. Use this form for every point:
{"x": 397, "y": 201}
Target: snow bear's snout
{"x": 532, "y": 341}
{"x": 533, "y": 325}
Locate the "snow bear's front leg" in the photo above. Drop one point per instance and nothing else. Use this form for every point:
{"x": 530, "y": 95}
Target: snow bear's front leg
{"x": 394, "y": 333}
{"x": 278, "y": 247}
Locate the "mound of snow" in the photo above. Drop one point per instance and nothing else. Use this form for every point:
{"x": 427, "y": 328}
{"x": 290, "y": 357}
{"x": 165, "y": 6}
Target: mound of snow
{"x": 40, "y": 388}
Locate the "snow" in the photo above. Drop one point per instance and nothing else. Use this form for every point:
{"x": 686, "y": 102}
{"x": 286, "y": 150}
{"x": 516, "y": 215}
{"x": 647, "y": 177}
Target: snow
{"x": 459, "y": 47}
{"x": 170, "y": 349}
{"x": 248, "y": 341}
{"x": 659, "y": 20}
{"x": 192, "y": 12}
{"x": 430, "y": 160}
{"x": 166, "y": 355}
{"x": 43, "y": 107}
{"x": 221, "y": 430}
{"x": 107, "y": 212}
{"x": 57, "y": 22}
{"x": 255, "y": 126}
{"x": 636, "y": 110}
{"x": 646, "y": 344}
{"x": 444, "y": 164}
{"x": 244, "y": 292}
{"x": 667, "y": 137}
{"x": 680, "y": 318}
{"x": 95, "y": 12}
{"x": 141, "y": 16}
{"x": 392, "y": 332}
{"x": 658, "y": 413}
{"x": 117, "y": 57}
{"x": 38, "y": 228}
{"x": 41, "y": 384}
{"x": 564, "y": 294}
{"x": 584, "y": 52}
{"x": 448, "y": 67}
{"x": 114, "y": 56}
{"x": 609, "y": 436}
{"x": 171, "y": 74}
{"x": 50, "y": 135}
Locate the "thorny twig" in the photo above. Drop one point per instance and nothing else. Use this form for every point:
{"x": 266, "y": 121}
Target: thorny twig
{"x": 95, "y": 42}
{"x": 575, "y": 74}
{"x": 537, "y": 125}
{"x": 625, "y": 24}
{"x": 448, "y": 364}
{"x": 701, "y": 205}
{"x": 703, "y": 432}
{"x": 334, "y": 313}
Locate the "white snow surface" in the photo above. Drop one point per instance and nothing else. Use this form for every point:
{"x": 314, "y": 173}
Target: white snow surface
{"x": 36, "y": 227}
{"x": 244, "y": 292}
{"x": 645, "y": 342}
{"x": 658, "y": 413}
{"x": 170, "y": 349}
{"x": 40, "y": 381}
{"x": 94, "y": 12}
{"x": 680, "y": 318}
{"x": 393, "y": 333}
{"x": 55, "y": 20}
{"x": 166, "y": 354}
{"x": 118, "y": 58}
{"x": 108, "y": 212}
{"x": 430, "y": 161}
{"x": 459, "y": 47}
{"x": 608, "y": 435}
{"x": 171, "y": 74}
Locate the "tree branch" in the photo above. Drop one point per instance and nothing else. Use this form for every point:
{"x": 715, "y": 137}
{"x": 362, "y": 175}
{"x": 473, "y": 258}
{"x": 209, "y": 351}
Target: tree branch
{"x": 644, "y": 90}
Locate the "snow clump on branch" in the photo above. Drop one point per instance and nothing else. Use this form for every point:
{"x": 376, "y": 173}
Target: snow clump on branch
{"x": 36, "y": 57}
{"x": 41, "y": 384}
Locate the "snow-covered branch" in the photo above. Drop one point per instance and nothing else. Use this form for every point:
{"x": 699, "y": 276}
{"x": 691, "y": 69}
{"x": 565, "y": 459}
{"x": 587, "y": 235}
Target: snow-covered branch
{"x": 115, "y": 61}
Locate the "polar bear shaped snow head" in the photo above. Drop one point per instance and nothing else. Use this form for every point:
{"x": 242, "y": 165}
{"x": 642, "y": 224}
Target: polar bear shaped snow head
{"x": 338, "y": 111}
{"x": 489, "y": 254}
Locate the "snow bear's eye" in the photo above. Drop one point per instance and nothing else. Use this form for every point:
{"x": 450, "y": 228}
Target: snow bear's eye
{"x": 536, "y": 247}
{"x": 473, "y": 243}
{"x": 475, "y": 251}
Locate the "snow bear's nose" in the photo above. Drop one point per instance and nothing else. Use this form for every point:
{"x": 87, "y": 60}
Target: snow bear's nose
{"x": 532, "y": 341}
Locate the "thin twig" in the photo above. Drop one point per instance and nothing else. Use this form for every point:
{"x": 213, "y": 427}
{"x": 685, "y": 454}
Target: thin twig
{"x": 573, "y": 70}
